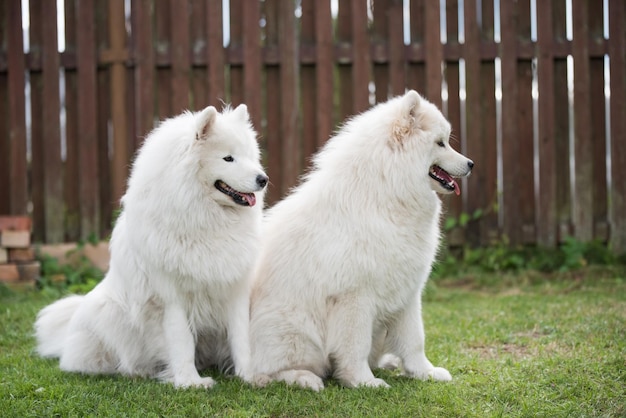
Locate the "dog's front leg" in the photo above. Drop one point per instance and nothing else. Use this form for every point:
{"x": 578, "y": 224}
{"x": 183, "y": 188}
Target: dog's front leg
{"x": 406, "y": 339}
{"x": 238, "y": 333}
{"x": 349, "y": 342}
{"x": 181, "y": 350}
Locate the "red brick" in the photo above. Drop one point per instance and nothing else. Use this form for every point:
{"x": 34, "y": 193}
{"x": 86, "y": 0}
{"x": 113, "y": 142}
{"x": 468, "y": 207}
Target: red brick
{"x": 21, "y": 255}
{"x": 15, "y": 223}
{"x": 9, "y": 273}
{"x": 20, "y": 273}
{"x": 14, "y": 239}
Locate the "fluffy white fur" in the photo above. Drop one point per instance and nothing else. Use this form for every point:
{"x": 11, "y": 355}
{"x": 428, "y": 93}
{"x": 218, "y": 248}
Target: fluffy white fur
{"x": 176, "y": 296}
{"x": 346, "y": 255}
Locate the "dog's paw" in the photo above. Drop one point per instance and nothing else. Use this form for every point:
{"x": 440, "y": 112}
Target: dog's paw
{"x": 261, "y": 380}
{"x": 247, "y": 377}
{"x": 433, "y": 373}
{"x": 374, "y": 383}
{"x": 440, "y": 374}
{"x": 201, "y": 382}
{"x": 389, "y": 362}
{"x": 304, "y": 378}
{"x": 310, "y": 381}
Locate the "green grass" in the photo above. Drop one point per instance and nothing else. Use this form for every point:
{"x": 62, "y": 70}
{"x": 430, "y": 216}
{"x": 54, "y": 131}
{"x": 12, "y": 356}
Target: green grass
{"x": 517, "y": 345}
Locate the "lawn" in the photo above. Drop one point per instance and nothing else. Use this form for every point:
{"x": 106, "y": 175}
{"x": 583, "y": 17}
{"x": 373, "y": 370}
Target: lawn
{"x": 524, "y": 344}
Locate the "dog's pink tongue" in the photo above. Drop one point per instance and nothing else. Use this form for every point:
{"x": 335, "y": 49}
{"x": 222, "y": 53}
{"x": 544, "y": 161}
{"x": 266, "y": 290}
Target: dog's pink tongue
{"x": 457, "y": 189}
{"x": 250, "y": 198}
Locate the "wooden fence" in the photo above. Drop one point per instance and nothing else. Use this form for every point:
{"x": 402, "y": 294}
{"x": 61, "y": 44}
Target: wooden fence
{"x": 70, "y": 122}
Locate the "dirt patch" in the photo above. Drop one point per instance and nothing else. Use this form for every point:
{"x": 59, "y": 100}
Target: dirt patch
{"x": 492, "y": 352}
{"x": 520, "y": 351}
{"x": 524, "y": 344}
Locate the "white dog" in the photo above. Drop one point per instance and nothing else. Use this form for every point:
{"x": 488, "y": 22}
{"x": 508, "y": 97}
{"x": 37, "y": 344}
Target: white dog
{"x": 176, "y": 296}
{"x": 346, "y": 255}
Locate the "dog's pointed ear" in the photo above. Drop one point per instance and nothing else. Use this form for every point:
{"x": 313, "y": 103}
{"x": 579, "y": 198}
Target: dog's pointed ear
{"x": 407, "y": 121}
{"x": 241, "y": 112}
{"x": 206, "y": 119}
{"x": 412, "y": 101}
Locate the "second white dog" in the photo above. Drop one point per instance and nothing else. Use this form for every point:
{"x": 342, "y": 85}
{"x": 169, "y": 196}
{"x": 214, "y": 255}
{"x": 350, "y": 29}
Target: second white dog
{"x": 346, "y": 255}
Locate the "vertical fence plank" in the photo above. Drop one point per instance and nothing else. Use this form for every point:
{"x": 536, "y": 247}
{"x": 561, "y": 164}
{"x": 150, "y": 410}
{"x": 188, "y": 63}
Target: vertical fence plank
{"x": 117, "y": 43}
{"x": 235, "y": 53}
{"x": 488, "y": 224}
{"x": 71, "y": 176}
{"x": 562, "y": 129}
{"x": 198, "y": 73}
{"x": 598, "y": 114}
{"x": 53, "y": 169}
{"x": 324, "y": 70}
{"x": 289, "y": 95}
{"x": 525, "y": 153}
{"x": 583, "y": 148}
{"x": 108, "y": 204}
{"x": 86, "y": 61}
{"x": 617, "y": 52}
{"x": 395, "y": 27}
{"x": 215, "y": 53}
{"x": 272, "y": 106}
{"x": 143, "y": 54}
{"x": 132, "y": 140}
{"x": 163, "y": 47}
{"x": 388, "y": 48}
{"x": 343, "y": 36}
{"x": 179, "y": 55}
{"x": 5, "y": 145}
{"x": 480, "y": 112}
{"x": 18, "y": 176}
{"x": 360, "y": 56}
{"x": 518, "y": 198}
{"x": 452, "y": 108}
{"x": 434, "y": 52}
{"x": 546, "y": 214}
{"x": 416, "y": 71}
{"x": 381, "y": 45}
{"x": 252, "y": 61}
{"x": 37, "y": 129}
{"x": 316, "y": 78}
{"x": 511, "y": 181}
{"x": 308, "y": 79}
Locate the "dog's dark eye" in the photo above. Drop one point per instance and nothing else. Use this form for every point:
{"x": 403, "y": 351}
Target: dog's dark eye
{"x": 229, "y": 159}
{"x": 441, "y": 144}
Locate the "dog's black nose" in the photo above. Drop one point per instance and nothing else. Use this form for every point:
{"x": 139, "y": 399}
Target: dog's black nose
{"x": 470, "y": 163}
{"x": 261, "y": 180}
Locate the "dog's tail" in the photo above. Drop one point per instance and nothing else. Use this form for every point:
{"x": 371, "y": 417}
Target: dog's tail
{"x": 51, "y": 325}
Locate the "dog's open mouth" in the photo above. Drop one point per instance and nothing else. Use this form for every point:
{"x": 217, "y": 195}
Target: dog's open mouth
{"x": 240, "y": 198}
{"x": 442, "y": 177}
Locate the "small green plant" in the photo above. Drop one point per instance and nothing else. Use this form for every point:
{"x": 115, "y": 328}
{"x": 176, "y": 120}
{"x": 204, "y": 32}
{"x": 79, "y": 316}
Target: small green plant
{"x": 463, "y": 219}
{"x": 502, "y": 257}
{"x": 78, "y": 275}
{"x": 93, "y": 239}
